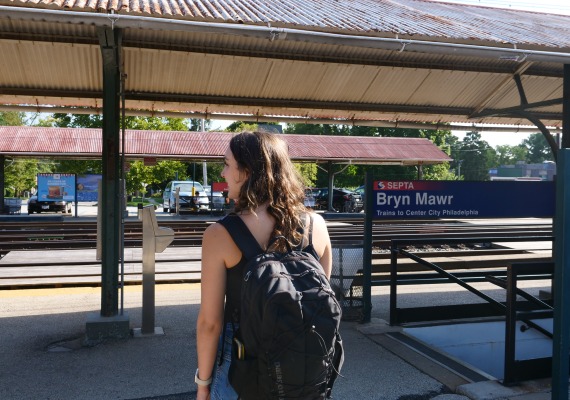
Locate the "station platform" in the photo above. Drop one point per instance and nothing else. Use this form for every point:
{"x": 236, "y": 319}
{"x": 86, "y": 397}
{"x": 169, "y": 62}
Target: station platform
{"x": 44, "y": 356}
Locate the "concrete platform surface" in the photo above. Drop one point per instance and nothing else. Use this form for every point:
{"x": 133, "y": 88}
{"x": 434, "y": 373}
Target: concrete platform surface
{"x": 44, "y": 356}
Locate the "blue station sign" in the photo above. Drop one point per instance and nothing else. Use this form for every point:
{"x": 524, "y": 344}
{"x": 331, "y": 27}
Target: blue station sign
{"x": 461, "y": 199}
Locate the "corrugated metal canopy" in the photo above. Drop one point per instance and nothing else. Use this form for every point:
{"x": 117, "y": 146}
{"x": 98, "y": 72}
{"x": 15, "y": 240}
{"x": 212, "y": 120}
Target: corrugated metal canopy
{"x": 357, "y": 61}
{"x": 86, "y": 143}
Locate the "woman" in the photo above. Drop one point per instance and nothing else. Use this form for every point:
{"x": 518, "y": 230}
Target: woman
{"x": 268, "y": 198}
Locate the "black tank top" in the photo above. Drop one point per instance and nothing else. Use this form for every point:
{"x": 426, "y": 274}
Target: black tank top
{"x": 234, "y": 277}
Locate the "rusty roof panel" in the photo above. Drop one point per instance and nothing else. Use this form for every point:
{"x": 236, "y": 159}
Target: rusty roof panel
{"x": 86, "y": 143}
{"x": 402, "y": 17}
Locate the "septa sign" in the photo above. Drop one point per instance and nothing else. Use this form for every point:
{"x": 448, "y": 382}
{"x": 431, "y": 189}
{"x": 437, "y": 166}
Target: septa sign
{"x": 460, "y": 199}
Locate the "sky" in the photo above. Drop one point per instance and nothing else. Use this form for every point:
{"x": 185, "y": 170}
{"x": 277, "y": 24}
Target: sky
{"x": 548, "y": 6}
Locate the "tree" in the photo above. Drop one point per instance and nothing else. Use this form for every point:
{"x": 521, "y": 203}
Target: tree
{"x": 12, "y": 118}
{"x": 240, "y": 126}
{"x": 195, "y": 124}
{"x": 76, "y": 120}
{"x": 509, "y": 155}
{"x": 138, "y": 177}
{"x": 20, "y": 174}
{"x": 439, "y": 172}
{"x": 538, "y": 149}
{"x": 473, "y": 157}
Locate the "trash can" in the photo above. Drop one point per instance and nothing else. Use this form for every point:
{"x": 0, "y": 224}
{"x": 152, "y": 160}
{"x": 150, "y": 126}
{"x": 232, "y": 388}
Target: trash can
{"x": 346, "y": 277}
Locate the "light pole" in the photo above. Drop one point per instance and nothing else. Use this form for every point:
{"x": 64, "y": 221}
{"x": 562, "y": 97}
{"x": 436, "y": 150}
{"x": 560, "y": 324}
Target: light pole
{"x": 459, "y": 168}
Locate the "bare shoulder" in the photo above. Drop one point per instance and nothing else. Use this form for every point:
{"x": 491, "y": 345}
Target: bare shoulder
{"x": 321, "y": 237}
{"x": 217, "y": 243}
{"x": 318, "y": 221}
{"x": 322, "y": 243}
{"x": 216, "y": 233}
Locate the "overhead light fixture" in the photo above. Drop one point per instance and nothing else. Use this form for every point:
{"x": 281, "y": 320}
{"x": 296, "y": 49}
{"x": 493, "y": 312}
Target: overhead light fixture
{"x": 513, "y": 57}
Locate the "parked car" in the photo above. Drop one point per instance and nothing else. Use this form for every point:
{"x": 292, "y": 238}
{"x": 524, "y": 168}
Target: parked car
{"x": 344, "y": 200}
{"x": 35, "y": 206}
{"x": 192, "y": 197}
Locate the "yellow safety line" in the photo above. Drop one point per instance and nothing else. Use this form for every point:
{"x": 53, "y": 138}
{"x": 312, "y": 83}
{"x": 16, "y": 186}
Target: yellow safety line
{"x": 90, "y": 290}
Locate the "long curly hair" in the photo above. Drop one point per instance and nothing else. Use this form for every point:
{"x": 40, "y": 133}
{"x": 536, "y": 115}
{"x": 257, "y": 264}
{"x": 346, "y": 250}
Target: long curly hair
{"x": 272, "y": 179}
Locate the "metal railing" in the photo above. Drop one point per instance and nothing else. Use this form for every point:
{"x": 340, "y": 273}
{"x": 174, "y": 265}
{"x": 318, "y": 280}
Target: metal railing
{"x": 491, "y": 307}
{"x": 533, "y": 368}
{"x": 526, "y": 311}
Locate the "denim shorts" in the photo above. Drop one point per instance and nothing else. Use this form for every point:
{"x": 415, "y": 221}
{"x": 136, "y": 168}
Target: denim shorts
{"x": 221, "y": 388}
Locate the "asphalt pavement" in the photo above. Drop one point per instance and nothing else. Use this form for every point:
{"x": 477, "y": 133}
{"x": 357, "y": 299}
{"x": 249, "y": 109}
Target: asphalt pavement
{"x": 44, "y": 355}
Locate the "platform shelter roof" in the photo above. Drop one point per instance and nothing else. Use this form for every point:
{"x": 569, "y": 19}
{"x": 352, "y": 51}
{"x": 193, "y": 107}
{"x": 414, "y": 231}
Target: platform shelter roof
{"x": 84, "y": 143}
{"x": 407, "y": 63}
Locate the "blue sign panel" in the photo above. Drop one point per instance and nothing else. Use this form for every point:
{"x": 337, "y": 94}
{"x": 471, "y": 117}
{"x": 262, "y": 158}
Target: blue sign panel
{"x": 460, "y": 199}
{"x": 87, "y": 187}
{"x": 56, "y": 187}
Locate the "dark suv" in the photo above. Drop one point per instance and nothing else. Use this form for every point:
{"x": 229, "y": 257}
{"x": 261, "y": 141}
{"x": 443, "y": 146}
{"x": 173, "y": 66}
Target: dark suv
{"x": 344, "y": 200}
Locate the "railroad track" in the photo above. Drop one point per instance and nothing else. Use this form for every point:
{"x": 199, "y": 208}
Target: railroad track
{"x": 83, "y": 235}
{"x": 59, "y": 253}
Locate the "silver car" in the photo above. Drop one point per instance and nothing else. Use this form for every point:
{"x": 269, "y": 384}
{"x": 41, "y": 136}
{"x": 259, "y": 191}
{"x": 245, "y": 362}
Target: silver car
{"x": 192, "y": 197}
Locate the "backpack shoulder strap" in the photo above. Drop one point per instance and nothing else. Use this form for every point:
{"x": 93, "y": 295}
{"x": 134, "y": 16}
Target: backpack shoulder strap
{"x": 241, "y": 235}
{"x": 302, "y": 230}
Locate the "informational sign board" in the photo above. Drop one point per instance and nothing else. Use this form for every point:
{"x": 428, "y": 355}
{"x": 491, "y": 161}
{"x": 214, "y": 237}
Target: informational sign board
{"x": 461, "y": 199}
{"x": 219, "y": 186}
{"x": 56, "y": 187}
{"x": 87, "y": 186}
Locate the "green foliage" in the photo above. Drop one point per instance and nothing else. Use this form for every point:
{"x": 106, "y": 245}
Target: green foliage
{"x": 439, "y": 172}
{"x": 139, "y": 177}
{"x": 11, "y": 118}
{"x": 195, "y": 125}
{"x": 533, "y": 150}
{"x": 509, "y": 155}
{"x": 131, "y": 122}
{"x": 538, "y": 149}
{"x": 308, "y": 173}
{"x": 215, "y": 171}
{"x": 20, "y": 174}
{"x": 79, "y": 166}
{"x": 76, "y": 121}
{"x": 240, "y": 126}
{"x": 156, "y": 124}
{"x": 473, "y": 157}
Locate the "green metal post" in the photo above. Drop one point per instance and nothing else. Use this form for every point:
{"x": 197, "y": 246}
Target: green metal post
{"x": 109, "y": 40}
{"x": 331, "y": 184}
{"x": 367, "y": 249}
{"x": 2, "y": 177}
{"x": 561, "y": 285}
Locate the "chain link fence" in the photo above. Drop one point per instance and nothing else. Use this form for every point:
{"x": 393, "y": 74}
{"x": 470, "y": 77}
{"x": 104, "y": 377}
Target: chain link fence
{"x": 346, "y": 277}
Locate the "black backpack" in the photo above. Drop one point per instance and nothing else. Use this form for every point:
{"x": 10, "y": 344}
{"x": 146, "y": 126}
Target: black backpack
{"x": 287, "y": 345}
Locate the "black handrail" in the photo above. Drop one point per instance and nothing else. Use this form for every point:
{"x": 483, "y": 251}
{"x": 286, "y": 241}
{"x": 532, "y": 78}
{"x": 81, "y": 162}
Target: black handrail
{"x": 396, "y": 249}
